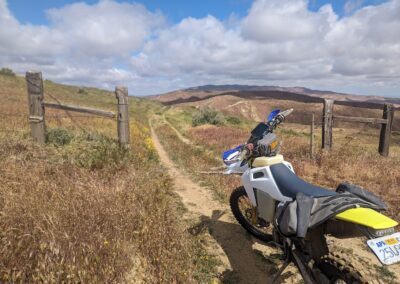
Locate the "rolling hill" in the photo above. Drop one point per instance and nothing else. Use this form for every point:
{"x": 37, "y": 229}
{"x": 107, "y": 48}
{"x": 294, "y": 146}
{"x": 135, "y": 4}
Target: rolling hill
{"x": 253, "y": 102}
{"x": 300, "y": 94}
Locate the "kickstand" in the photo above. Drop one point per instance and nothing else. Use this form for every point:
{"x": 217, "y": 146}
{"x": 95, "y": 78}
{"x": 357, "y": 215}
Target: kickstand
{"x": 279, "y": 273}
{"x": 287, "y": 258}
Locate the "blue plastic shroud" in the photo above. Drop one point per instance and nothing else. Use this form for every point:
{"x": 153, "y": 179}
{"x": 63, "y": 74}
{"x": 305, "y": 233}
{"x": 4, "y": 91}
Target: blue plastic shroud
{"x": 226, "y": 154}
{"x": 273, "y": 113}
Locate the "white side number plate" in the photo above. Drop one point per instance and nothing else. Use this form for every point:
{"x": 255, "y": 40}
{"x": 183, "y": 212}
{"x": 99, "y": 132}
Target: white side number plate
{"x": 387, "y": 248}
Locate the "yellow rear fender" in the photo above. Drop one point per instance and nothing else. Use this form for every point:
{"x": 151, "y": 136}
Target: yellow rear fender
{"x": 367, "y": 217}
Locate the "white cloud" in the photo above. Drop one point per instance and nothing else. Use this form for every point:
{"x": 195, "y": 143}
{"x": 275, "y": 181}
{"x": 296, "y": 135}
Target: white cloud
{"x": 352, "y": 5}
{"x": 282, "y": 42}
{"x": 82, "y": 43}
{"x": 277, "y": 42}
{"x": 283, "y": 21}
{"x": 367, "y": 43}
{"x": 105, "y": 29}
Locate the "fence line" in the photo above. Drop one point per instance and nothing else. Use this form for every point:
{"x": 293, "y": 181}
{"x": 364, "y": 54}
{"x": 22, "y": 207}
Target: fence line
{"x": 80, "y": 109}
{"x": 56, "y": 117}
{"x": 386, "y": 123}
{"x": 37, "y": 107}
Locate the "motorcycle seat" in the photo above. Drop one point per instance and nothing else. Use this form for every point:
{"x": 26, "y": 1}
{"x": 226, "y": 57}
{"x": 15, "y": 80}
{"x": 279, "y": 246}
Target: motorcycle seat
{"x": 290, "y": 184}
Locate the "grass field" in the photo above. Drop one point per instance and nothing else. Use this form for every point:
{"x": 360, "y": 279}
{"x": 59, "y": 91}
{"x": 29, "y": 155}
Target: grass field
{"x": 81, "y": 208}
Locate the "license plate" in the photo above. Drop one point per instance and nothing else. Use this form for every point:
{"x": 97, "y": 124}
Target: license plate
{"x": 387, "y": 248}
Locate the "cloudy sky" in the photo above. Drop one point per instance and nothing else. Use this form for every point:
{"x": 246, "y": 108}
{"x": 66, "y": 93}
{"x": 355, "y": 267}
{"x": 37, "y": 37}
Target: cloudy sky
{"x": 156, "y": 46}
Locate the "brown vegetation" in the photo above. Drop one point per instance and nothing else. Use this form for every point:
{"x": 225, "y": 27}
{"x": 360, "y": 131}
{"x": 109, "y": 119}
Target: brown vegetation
{"x": 82, "y": 209}
{"x": 253, "y": 105}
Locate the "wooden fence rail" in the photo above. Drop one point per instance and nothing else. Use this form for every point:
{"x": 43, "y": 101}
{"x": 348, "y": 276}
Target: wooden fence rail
{"x": 37, "y": 109}
{"x": 87, "y": 110}
{"x": 386, "y": 125}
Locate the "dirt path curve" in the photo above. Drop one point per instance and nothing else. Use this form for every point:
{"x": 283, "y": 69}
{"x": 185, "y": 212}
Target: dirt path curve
{"x": 232, "y": 245}
{"x": 187, "y": 141}
{"x": 180, "y": 136}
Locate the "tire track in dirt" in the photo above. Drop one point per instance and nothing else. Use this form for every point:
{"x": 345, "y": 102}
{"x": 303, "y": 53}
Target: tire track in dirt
{"x": 230, "y": 243}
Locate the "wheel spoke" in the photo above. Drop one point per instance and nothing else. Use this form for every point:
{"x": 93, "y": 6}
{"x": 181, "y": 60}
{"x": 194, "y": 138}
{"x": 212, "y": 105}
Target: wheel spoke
{"x": 248, "y": 211}
{"x": 246, "y": 214}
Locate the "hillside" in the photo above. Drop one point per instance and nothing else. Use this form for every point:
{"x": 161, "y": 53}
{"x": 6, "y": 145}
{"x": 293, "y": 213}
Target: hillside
{"x": 254, "y": 104}
{"x": 81, "y": 209}
{"x": 300, "y": 94}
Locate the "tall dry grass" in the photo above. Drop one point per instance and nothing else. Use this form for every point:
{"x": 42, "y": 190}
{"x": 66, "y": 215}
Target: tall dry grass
{"x": 62, "y": 221}
{"x": 81, "y": 209}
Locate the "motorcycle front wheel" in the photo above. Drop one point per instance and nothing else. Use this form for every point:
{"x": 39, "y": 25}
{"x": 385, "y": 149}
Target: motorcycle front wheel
{"x": 246, "y": 214}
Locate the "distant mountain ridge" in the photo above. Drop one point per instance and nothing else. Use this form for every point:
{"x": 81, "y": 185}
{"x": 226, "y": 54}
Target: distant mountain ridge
{"x": 290, "y": 93}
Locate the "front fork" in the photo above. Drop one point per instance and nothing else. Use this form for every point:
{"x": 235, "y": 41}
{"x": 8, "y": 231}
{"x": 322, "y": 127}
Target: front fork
{"x": 254, "y": 215}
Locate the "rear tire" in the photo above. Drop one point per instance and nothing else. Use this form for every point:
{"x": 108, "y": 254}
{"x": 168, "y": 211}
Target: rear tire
{"x": 338, "y": 269}
{"x": 257, "y": 230}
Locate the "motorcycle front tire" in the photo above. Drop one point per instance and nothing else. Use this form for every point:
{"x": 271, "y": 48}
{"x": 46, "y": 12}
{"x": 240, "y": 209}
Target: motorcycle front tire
{"x": 235, "y": 197}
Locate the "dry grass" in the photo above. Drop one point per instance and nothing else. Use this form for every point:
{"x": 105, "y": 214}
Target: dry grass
{"x": 82, "y": 209}
{"x": 61, "y": 221}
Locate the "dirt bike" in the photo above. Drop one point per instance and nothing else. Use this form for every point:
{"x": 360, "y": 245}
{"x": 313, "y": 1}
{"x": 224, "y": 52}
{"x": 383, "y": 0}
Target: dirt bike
{"x": 278, "y": 207}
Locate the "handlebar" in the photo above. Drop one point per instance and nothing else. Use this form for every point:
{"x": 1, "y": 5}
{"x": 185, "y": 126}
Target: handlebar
{"x": 279, "y": 119}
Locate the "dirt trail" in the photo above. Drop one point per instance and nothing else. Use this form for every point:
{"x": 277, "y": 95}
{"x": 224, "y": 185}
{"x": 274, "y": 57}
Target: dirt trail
{"x": 232, "y": 245}
{"x": 180, "y": 136}
{"x": 186, "y": 141}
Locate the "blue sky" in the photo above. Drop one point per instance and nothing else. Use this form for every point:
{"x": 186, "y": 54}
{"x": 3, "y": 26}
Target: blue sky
{"x": 176, "y": 10}
{"x": 157, "y": 46}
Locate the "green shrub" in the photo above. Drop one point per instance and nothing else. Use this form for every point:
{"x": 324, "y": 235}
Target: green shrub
{"x": 95, "y": 151}
{"x": 7, "y": 72}
{"x": 59, "y": 136}
{"x": 233, "y": 120}
{"x": 89, "y": 150}
{"x": 82, "y": 91}
{"x": 207, "y": 115}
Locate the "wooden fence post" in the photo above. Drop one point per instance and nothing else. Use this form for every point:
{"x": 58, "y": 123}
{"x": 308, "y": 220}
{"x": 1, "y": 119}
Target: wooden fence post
{"x": 312, "y": 151}
{"x": 386, "y": 130}
{"x": 327, "y": 125}
{"x": 36, "y": 107}
{"x": 121, "y": 94}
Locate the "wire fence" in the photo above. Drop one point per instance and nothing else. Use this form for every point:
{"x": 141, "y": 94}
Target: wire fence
{"x": 12, "y": 122}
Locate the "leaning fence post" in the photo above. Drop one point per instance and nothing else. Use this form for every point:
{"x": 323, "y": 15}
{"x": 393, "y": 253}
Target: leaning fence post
{"x": 36, "y": 107}
{"x": 386, "y": 130}
{"x": 121, "y": 94}
{"x": 312, "y": 151}
{"x": 327, "y": 124}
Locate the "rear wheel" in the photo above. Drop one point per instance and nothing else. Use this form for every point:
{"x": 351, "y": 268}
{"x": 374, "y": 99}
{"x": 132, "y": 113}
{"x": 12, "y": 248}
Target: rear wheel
{"x": 246, "y": 214}
{"x": 339, "y": 270}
